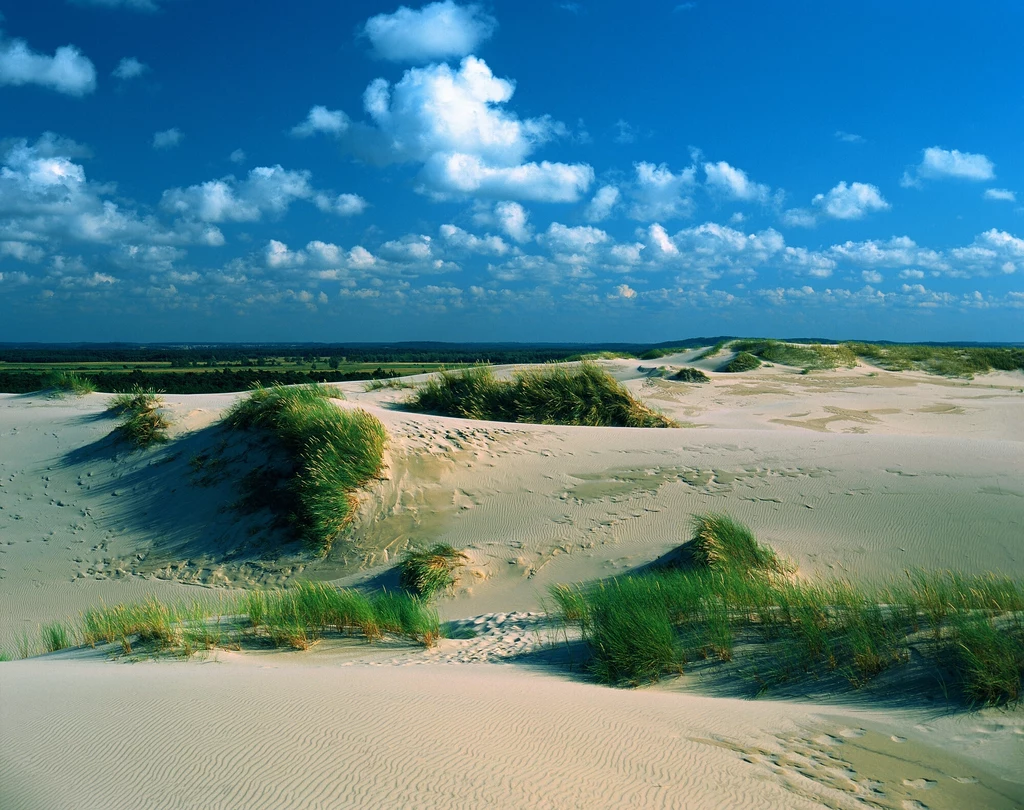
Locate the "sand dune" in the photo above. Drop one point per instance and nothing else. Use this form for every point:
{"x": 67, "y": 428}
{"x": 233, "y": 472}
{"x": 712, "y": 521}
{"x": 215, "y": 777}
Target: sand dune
{"x": 859, "y": 472}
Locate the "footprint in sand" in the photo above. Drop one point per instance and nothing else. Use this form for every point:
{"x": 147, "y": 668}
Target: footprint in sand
{"x": 920, "y": 784}
{"x": 897, "y": 738}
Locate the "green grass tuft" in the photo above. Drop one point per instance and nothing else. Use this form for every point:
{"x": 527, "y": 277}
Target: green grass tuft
{"x": 143, "y": 423}
{"x": 808, "y": 356}
{"x": 135, "y": 400}
{"x": 427, "y": 572}
{"x": 744, "y": 361}
{"x": 691, "y": 375}
{"x": 56, "y": 636}
{"x": 68, "y": 382}
{"x": 584, "y": 395}
{"x": 721, "y": 543}
{"x": 950, "y": 361}
{"x": 334, "y": 452}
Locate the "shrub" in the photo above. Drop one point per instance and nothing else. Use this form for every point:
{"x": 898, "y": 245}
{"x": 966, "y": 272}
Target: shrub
{"x": 429, "y": 571}
{"x": 743, "y": 361}
{"x": 333, "y": 452}
{"x": 584, "y": 395}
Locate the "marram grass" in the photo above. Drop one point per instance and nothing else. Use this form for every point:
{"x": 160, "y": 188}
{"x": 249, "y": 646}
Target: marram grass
{"x": 554, "y": 395}
{"x": 334, "y": 452}
{"x": 425, "y": 572}
{"x": 644, "y": 627}
{"x": 69, "y": 382}
{"x": 143, "y": 422}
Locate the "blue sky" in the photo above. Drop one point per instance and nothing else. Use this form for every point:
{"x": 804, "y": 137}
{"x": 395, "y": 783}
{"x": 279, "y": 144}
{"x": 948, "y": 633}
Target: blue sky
{"x": 177, "y": 170}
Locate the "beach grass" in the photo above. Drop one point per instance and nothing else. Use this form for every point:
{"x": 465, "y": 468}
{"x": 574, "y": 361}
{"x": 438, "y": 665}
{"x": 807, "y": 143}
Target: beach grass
{"x": 56, "y": 636}
{"x": 808, "y": 356}
{"x": 69, "y": 382}
{"x": 742, "y": 361}
{"x": 426, "y": 572}
{"x": 553, "y": 395}
{"x": 333, "y": 452}
{"x": 143, "y": 422}
{"x": 691, "y": 375}
{"x": 949, "y": 361}
{"x": 739, "y": 603}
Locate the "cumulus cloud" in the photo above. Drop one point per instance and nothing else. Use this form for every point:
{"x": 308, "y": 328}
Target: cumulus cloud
{"x": 848, "y": 137}
{"x": 659, "y": 194}
{"x": 799, "y": 218}
{"x": 129, "y": 68}
{"x": 463, "y": 240}
{"x": 734, "y": 183}
{"x": 267, "y": 190}
{"x": 602, "y": 205}
{"x": 238, "y": 156}
{"x": 941, "y": 164}
{"x": 581, "y": 240}
{"x": 322, "y": 120}
{"x": 624, "y": 132}
{"x": 1000, "y": 194}
{"x": 438, "y": 31}
{"x": 67, "y": 71}
{"x": 513, "y": 220}
{"x": 853, "y": 201}
{"x": 624, "y": 291}
{"x": 454, "y": 123}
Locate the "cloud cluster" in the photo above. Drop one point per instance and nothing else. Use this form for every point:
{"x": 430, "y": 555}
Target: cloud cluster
{"x": 942, "y": 164}
{"x": 267, "y": 190}
{"x": 454, "y": 123}
{"x": 438, "y": 31}
{"x": 68, "y": 71}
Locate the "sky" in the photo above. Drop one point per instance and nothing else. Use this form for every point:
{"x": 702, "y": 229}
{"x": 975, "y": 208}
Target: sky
{"x": 537, "y": 170}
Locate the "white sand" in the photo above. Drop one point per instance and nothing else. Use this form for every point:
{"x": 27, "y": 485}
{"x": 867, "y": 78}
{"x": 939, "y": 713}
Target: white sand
{"x": 859, "y": 472}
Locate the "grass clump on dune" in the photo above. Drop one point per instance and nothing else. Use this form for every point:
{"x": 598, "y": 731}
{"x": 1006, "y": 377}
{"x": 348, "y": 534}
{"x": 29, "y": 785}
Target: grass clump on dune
{"x": 68, "y": 382}
{"x": 808, "y": 356}
{"x": 143, "y": 423}
{"x": 333, "y": 452}
{"x": 584, "y": 395}
{"x": 691, "y": 375}
{"x": 743, "y": 361}
{"x": 425, "y": 572}
{"x": 950, "y": 361}
{"x": 735, "y": 603}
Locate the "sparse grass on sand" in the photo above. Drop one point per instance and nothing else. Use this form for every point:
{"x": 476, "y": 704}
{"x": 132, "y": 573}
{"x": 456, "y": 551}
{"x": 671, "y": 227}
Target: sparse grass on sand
{"x": 808, "y": 356}
{"x": 950, "y": 361}
{"x": 554, "y": 395}
{"x": 425, "y": 572}
{"x": 333, "y": 451}
{"x": 295, "y": 618}
{"x": 143, "y": 422}
{"x": 68, "y": 382}
{"x": 392, "y": 383}
{"x": 743, "y": 361}
{"x": 746, "y": 605}
{"x": 691, "y": 375}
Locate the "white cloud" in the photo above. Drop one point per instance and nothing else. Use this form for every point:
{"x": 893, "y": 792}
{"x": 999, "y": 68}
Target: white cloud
{"x": 22, "y": 251}
{"x": 734, "y": 183}
{"x": 914, "y": 274}
{"x": 809, "y": 263}
{"x": 938, "y": 163}
{"x": 581, "y": 240}
{"x": 67, "y": 71}
{"x": 267, "y": 190}
{"x": 658, "y": 194}
{"x": 624, "y": 132}
{"x": 513, "y": 220}
{"x": 601, "y": 206}
{"x": 1000, "y": 194}
{"x": 167, "y": 139}
{"x": 624, "y": 291}
{"x": 463, "y": 240}
{"x": 852, "y": 201}
{"x": 660, "y": 241}
{"x": 238, "y": 156}
{"x": 991, "y": 251}
{"x": 129, "y": 68}
{"x": 437, "y": 31}
{"x": 320, "y": 119}
{"x": 544, "y": 181}
{"x": 848, "y": 137}
{"x": 453, "y": 122}
{"x": 872, "y": 276}
{"x": 799, "y": 218}
{"x": 344, "y": 205}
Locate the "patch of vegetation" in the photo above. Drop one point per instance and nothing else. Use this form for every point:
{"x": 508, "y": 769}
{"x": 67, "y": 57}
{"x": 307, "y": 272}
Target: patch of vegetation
{"x": 723, "y": 544}
{"x": 949, "y": 361}
{"x": 711, "y": 351}
{"x": 808, "y": 356}
{"x": 56, "y": 636}
{"x": 143, "y": 423}
{"x": 602, "y": 355}
{"x": 426, "y": 572}
{"x": 691, "y": 375}
{"x": 333, "y": 452}
{"x": 584, "y": 395}
{"x": 394, "y": 384}
{"x": 743, "y": 361}
{"x": 294, "y": 617}
{"x": 641, "y": 628}
{"x": 662, "y": 351}
{"x": 69, "y": 382}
